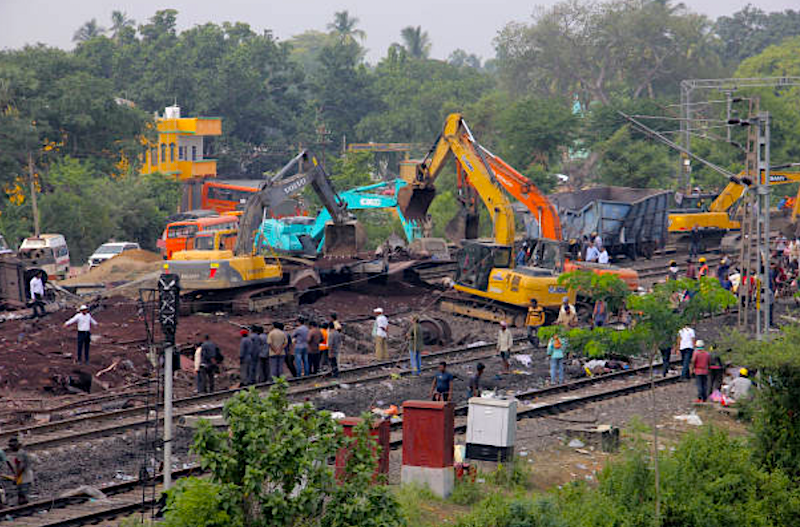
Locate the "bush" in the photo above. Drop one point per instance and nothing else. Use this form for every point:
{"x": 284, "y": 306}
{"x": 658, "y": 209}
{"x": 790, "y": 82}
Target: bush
{"x": 466, "y": 492}
{"x": 195, "y": 502}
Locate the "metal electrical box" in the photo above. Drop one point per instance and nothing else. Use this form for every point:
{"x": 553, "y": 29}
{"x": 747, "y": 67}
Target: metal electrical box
{"x": 491, "y": 429}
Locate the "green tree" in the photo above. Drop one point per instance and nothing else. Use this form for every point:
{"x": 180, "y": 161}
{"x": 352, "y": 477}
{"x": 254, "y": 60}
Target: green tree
{"x": 271, "y": 466}
{"x": 634, "y": 163}
{"x": 344, "y": 27}
{"x": 344, "y": 88}
{"x": 119, "y": 22}
{"x": 461, "y": 58}
{"x": 535, "y": 131}
{"x": 307, "y": 47}
{"x": 597, "y": 50}
{"x": 416, "y": 42}
{"x": 750, "y": 31}
{"x": 88, "y": 31}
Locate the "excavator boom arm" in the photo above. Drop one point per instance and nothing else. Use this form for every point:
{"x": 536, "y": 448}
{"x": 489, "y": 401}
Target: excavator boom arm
{"x": 282, "y": 187}
{"x": 528, "y": 194}
{"x": 456, "y": 140}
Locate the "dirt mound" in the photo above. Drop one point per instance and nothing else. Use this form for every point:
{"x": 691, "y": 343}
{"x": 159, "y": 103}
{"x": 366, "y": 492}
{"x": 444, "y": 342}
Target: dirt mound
{"x": 124, "y": 267}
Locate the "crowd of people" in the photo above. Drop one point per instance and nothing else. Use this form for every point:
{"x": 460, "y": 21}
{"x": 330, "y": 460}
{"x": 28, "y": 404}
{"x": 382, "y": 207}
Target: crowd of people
{"x": 312, "y": 347}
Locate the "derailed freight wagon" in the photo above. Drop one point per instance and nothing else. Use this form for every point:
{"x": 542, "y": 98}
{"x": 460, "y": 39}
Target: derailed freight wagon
{"x": 631, "y": 221}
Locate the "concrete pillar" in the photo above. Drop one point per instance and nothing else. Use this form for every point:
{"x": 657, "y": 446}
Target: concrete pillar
{"x": 428, "y": 445}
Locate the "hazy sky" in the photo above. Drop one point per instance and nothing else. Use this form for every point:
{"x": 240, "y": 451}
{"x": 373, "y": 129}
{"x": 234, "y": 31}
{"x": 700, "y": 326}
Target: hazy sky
{"x": 451, "y": 24}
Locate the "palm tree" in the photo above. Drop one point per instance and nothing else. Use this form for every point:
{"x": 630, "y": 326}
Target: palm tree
{"x": 119, "y": 21}
{"x": 416, "y": 42}
{"x": 345, "y": 26}
{"x": 88, "y": 31}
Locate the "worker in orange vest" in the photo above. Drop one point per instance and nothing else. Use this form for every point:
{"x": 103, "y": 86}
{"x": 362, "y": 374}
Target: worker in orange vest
{"x": 703, "y": 267}
{"x": 323, "y": 346}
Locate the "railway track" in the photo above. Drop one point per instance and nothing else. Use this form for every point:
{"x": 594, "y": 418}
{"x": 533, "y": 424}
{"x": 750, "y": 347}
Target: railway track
{"x": 104, "y": 424}
{"x": 127, "y": 498}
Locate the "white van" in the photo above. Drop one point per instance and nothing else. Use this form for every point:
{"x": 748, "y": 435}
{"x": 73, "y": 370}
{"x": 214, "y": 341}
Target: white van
{"x": 48, "y": 252}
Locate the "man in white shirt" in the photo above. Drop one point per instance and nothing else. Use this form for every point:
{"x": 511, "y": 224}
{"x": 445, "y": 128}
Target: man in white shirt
{"x": 686, "y": 340}
{"x": 84, "y": 322}
{"x": 592, "y": 254}
{"x": 505, "y": 340}
{"x": 603, "y": 256}
{"x": 380, "y": 330}
{"x": 37, "y": 296}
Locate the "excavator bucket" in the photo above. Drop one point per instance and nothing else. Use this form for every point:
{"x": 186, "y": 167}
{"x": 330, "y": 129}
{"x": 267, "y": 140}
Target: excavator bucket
{"x": 343, "y": 240}
{"x": 463, "y": 226}
{"x": 414, "y": 202}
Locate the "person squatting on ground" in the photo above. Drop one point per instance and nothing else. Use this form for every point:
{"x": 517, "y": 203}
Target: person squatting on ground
{"x": 334, "y": 347}
{"x": 567, "y": 316}
{"x": 300, "y": 340}
{"x": 700, "y": 362}
{"x": 415, "y": 345}
{"x": 534, "y": 321}
{"x": 686, "y": 342}
{"x": 276, "y": 342}
{"x": 474, "y": 388}
{"x": 245, "y": 358}
{"x": 380, "y": 331}
{"x": 314, "y": 340}
{"x": 556, "y": 350}
{"x": 210, "y": 358}
{"x": 741, "y": 385}
{"x": 673, "y": 271}
{"x": 84, "y": 321}
{"x": 442, "y": 386}
{"x": 505, "y": 340}
{"x": 19, "y": 462}
{"x": 37, "y": 296}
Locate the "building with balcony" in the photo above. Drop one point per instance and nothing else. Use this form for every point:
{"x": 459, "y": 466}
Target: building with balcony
{"x": 179, "y": 152}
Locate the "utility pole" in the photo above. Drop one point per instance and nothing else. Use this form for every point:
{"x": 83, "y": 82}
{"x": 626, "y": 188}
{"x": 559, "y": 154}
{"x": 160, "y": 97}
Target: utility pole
{"x": 34, "y": 203}
{"x": 764, "y": 252}
{"x": 169, "y": 291}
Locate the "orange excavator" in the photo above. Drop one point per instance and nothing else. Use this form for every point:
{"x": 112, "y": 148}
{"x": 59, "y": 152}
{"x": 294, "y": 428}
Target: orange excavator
{"x": 543, "y": 210}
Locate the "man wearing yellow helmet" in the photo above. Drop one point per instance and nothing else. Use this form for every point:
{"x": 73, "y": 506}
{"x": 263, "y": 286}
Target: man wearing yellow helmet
{"x": 703, "y": 271}
{"x": 740, "y": 386}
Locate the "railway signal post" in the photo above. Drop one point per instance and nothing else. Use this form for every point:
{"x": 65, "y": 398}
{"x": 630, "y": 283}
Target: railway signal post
{"x": 168, "y": 292}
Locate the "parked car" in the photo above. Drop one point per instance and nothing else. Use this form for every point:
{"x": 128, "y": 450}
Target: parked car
{"x": 48, "y": 252}
{"x": 109, "y": 250}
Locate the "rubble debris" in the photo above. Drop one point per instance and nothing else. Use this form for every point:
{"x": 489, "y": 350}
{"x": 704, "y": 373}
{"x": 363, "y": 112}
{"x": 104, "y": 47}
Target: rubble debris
{"x": 84, "y": 490}
{"x": 690, "y": 419}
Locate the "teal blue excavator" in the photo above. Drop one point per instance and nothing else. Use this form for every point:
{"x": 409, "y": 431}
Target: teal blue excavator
{"x": 306, "y": 235}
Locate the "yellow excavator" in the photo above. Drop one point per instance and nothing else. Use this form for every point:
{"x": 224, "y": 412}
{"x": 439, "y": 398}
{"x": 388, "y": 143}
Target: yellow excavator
{"x": 490, "y": 287}
{"x": 720, "y": 216}
{"x": 246, "y": 280}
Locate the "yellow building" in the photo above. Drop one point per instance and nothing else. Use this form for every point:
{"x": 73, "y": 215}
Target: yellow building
{"x": 179, "y": 151}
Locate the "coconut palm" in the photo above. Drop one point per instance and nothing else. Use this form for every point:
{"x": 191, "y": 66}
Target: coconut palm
{"x": 119, "y": 21}
{"x": 345, "y": 26}
{"x": 88, "y": 31}
{"x": 416, "y": 42}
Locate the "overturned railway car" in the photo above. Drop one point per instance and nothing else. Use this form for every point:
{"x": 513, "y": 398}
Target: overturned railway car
{"x": 631, "y": 221}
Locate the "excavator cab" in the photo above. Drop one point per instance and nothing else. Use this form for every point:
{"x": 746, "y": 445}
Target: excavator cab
{"x": 344, "y": 240}
{"x": 475, "y": 262}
